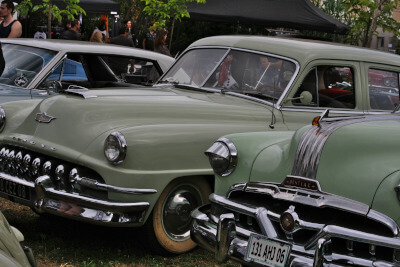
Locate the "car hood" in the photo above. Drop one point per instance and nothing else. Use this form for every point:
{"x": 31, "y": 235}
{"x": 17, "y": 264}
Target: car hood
{"x": 77, "y": 120}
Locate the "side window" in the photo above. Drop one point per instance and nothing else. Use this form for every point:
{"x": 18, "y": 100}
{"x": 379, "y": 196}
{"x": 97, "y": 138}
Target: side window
{"x": 327, "y": 86}
{"x": 73, "y": 70}
{"x": 132, "y": 70}
{"x": 383, "y": 89}
{"x": 69, "y": 72}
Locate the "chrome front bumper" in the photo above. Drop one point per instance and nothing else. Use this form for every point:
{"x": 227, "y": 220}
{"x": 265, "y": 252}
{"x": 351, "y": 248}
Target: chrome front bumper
{"x": 228, "y": 241}
{"x": 44, "y": 197}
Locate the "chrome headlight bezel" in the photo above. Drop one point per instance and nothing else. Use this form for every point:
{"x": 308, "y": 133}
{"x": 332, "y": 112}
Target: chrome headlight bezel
{"x": 2, "y": 119}
{"x": 115, "y": 148}
{"x": 222, "y": 156}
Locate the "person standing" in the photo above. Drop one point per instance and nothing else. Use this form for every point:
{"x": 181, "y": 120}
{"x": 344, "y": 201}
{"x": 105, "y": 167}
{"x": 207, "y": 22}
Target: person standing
{"x": 99, "y": 29}
{"x": 131, "y": 34}
{"x": 97, "y": 37}
{"x": 148, "y": 41}
{"x": 73, "y": 32}
{"x": 122, "y": 39}
{"x": 159, "y": 43}
{"x": 9, "y": 27}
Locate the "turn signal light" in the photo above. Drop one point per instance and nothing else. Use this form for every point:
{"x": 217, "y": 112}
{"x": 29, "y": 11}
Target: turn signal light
{"x": 315, "y": 121}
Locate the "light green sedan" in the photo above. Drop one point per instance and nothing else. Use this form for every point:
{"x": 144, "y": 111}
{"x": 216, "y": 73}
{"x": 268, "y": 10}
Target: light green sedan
{"x": 325, "y": 195}
{"x": 133, "y": 156}
{"x": 12, "y": 253}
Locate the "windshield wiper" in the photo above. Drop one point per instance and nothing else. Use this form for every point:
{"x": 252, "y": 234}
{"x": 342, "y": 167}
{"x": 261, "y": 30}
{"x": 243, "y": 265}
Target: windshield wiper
{"x": 251, "y": 93}
{"x": 197, "y": 88}
{"x": 167, "y": 82}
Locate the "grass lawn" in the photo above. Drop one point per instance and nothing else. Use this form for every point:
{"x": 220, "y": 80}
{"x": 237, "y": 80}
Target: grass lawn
{"x": 62, "y": 242}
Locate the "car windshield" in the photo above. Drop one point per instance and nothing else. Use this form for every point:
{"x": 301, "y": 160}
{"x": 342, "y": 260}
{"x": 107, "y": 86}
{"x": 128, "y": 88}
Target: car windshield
{"x": 23, "y": 63}
{"x": 254, "y": 74}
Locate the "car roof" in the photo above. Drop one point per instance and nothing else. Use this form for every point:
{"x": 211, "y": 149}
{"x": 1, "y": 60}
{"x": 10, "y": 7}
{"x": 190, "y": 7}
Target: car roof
{"x": 91, "y": 47}
{"x": 301, "y": 50}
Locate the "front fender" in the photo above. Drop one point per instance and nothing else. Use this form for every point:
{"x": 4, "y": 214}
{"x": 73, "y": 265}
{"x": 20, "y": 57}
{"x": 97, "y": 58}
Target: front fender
{"x": 16, "y": 113}
{"x": 256, "y": 152}
{"x": 385, "y": 199}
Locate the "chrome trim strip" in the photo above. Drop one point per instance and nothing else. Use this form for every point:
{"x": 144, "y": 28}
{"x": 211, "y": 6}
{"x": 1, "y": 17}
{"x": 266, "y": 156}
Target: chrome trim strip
{"x": 382, "y": 218}
{"x": 258, "y": 100}
{"x": 93, "y": 184}
{"x": 16, "y": 180}
{"x": 337, "y": 231}
{"x": 321, "y": 109}
{"x": 45, "y": 193}
{"x": 311, "y": 198}
{"x": 110, "y": 188}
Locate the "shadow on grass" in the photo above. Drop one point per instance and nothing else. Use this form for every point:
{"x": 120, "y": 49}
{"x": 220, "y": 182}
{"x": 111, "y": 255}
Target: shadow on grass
{"x": 58, "y": 241}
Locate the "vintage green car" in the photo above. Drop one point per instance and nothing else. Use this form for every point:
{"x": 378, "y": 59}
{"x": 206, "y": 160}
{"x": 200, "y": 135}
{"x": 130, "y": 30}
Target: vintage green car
{"x": 133, "y": 156}
{"x": 12, "y": 253}
{"x": 37, "y": 68}
{"x": 325, "y": 195}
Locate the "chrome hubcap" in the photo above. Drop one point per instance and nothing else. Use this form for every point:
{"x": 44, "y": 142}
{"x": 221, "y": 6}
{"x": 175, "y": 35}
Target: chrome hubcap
{"x": 176, "y": 211}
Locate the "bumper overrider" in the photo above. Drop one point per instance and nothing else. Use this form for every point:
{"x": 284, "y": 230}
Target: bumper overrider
{"x": 51, "y": 186}
{"x": 253, "y": 234}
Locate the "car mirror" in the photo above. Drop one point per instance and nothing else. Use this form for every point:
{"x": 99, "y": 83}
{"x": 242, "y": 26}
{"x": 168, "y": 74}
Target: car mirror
{"x": 306, "y": 97}
{"x": 52, "y": 86}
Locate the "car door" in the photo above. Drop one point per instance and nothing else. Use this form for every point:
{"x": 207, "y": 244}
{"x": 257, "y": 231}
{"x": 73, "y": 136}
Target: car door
{"x": 324, "y": 84}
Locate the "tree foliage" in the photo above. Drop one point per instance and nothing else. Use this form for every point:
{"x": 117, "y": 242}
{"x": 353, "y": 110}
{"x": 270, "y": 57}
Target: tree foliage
{"x": 363, "y": 16}
{"x": 162, "y": 11}
{"x": 72, "y": 9}
{"x": 367, "y": 16}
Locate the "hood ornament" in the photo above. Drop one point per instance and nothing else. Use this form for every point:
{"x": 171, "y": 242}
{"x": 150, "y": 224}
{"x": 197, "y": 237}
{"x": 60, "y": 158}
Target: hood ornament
{"x": 43, "y": 117}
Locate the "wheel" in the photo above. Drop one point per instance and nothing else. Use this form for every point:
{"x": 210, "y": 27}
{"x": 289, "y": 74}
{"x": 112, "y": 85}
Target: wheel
{"x": 170, "y": 222}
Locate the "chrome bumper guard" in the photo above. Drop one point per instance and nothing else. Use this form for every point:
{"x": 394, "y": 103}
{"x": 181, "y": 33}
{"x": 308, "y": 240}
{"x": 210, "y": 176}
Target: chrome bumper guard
{"x": 45, "y": 198}
{"x": 229, "y": 241}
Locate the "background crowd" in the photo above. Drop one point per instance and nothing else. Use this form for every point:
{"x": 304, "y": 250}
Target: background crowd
{"x": 155, "y": 39}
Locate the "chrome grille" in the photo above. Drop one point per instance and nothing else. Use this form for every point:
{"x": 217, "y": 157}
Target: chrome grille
{"x": 30, "y": 165}
{"x": 313, "y": 219}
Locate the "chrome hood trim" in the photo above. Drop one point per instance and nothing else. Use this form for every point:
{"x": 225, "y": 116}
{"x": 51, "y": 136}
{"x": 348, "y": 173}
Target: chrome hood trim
{"x": 312, "y": 142}
{"x": 311, "y": 198}
{"x": 82, "y": 92}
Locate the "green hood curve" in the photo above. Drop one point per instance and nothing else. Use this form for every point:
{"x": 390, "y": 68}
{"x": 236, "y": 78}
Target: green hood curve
{"x": 78, "y": 122}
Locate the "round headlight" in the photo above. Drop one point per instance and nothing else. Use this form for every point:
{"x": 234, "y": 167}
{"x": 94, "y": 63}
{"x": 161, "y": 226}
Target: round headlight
{"x": 2, "y": 119}
{"x": 115, "y": 148}
{"x": 222, "y": 156}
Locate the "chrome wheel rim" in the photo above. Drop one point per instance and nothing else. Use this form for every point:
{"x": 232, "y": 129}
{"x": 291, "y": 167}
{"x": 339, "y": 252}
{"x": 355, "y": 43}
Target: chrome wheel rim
{"x": 177, "y": 207}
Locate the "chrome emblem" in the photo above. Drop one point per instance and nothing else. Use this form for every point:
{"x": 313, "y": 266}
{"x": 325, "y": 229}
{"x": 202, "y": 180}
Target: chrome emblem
{"x": 302, "y": 182}
{"x": 43, "y": 117}
{"x": 289, "y": 220}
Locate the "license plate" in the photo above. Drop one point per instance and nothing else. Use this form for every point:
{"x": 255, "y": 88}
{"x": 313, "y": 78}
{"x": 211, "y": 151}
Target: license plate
{"x": 14, "y": 189}
{"x": 267, "y": 252}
